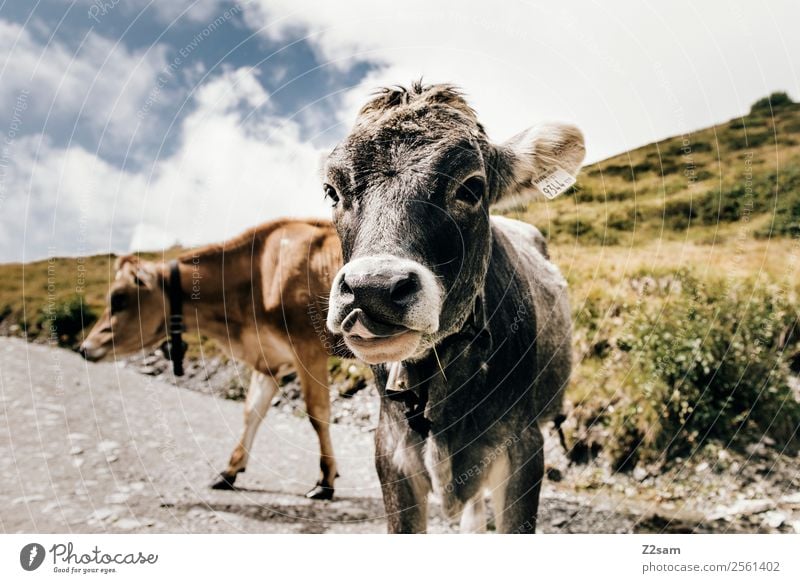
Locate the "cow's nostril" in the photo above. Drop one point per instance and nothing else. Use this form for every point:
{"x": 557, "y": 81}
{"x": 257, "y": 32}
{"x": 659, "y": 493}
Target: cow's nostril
{"x": 344, "y": 288}
{"x": 403, "y": 287}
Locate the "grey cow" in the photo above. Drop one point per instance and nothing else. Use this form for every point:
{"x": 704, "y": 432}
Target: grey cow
{"x": 464, "y": 320}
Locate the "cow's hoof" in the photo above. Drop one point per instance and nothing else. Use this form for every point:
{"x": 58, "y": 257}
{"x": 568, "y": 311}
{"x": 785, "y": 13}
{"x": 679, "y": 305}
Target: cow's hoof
{"x": 320, "y": 492}
{"x": 225, "y": 481}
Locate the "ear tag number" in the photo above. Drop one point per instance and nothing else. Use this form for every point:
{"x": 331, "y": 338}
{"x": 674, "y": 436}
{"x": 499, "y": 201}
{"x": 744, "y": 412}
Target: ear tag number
{"x": 553, "y": 182}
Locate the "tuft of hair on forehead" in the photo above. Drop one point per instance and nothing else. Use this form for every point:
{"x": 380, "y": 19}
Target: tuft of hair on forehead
{"x": 418, "y": 96}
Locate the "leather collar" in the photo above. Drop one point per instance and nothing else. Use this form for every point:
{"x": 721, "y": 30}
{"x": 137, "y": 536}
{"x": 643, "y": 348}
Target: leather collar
{"x": 175, "y": 347}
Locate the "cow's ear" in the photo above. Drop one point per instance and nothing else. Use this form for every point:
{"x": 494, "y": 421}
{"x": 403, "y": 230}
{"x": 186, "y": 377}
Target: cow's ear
{"x": 123, "y": 260}
{"x": 143, "y": 276}
{"x": 137, "y": 271}
{"x": 146, "y": 274}
{"x": 542, "y": 158}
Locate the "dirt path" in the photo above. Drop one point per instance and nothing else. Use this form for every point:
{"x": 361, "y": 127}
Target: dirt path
{"x": 92, "y": 448}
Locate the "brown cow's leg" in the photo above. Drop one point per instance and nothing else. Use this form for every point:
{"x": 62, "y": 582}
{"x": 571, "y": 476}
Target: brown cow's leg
{"x": 259, "y": 397}
{"x": 313, "y": 374}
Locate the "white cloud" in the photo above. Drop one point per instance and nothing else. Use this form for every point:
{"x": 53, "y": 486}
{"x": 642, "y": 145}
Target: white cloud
{"x": 63, "y": 201}
{"x": 99, "y": 85}
{"x": 627, "y": 72}
{"x": 228, "y": 90}
{"x": 236, "y": 166}
{"x": 230, "y": 173}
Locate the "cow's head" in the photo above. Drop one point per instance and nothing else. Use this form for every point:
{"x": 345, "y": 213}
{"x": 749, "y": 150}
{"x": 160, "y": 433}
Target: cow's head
{"x": 411, "y": 188}
{"x": 134, "y": 316}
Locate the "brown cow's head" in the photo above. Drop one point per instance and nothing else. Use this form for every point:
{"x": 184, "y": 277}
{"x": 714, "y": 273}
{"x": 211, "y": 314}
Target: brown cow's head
{"x": 411, "y": 188}
{"x": 134, "y": 317}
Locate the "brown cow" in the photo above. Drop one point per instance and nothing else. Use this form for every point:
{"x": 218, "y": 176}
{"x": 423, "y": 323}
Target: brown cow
{"x": 263, "y": 297}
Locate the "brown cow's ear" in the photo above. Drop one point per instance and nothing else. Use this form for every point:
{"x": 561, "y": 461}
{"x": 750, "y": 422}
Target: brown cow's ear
{"x": 145, "y": 274}
{"x": 123, "y": 260}
{"x": 538, "y": 162}
{"x": 137, "y": 271}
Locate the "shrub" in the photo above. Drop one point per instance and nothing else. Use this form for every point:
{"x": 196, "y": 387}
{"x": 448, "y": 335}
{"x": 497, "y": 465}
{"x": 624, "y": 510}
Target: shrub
{"x": 678, "y": 214}
{"x": 786, "y": 218}
{"x": 724, "y": 206}
{"x": 660, "y": 164}
{"x": 786, "y": 221}
{"x": 740, "y": 140}
{"x": 617, "y": 195}
{"x": 66, "y": 319}
{"x": 680, "y": 149}
{"x": 624, "y": 171}
{"x": 703, "y": 174}
{"x": 584, "y": 193}
{"x": 777, "y": 100}
{"x": 790, "y": 127}
{"x": 623, "y": 220}
{"x": 582, "y": 227}
{"x": 706, "y": 364}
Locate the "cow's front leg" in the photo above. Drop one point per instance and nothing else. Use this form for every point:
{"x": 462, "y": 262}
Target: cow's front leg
{"x": 516, "y": 483}
{"x": 259, "y": 397}
{"x": 404, "y": 483}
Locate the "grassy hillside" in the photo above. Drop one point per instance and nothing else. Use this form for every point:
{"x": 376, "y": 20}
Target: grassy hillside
{"x": 60, "y": 290}
{"x": 740, "y": 178}
{"x": 682, "y": 259}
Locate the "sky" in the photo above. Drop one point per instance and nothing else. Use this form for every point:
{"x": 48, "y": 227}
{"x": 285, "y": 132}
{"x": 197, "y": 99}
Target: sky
{"x": 135, "y": 125}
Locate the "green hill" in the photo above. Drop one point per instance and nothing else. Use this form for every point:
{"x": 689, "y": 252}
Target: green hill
{"x": 704, "y": 186}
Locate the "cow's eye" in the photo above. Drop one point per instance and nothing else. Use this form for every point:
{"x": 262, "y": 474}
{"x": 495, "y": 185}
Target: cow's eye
{"x": 330, "y": 193}
{"x": 118, "y": 302}
{"x": 471, "y": 190}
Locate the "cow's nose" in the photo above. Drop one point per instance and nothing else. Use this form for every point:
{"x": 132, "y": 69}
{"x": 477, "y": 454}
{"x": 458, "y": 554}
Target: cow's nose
{"x": 383, "y": 295}
{"x": 82, "y": 350}
{"x": 403, "y": 288}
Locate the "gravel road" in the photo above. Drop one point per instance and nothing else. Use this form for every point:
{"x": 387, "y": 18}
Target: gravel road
{"x": 99, "y": 448}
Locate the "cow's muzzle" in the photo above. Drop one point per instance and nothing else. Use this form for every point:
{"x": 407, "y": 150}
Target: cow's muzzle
{"x": 383, "y": 306}
{"x": 92, "y": 353}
